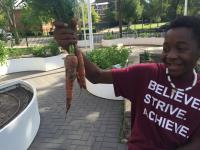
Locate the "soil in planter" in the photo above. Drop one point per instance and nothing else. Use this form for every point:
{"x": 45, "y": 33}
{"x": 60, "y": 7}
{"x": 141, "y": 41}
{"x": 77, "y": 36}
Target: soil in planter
{"x": 12, "y": 102}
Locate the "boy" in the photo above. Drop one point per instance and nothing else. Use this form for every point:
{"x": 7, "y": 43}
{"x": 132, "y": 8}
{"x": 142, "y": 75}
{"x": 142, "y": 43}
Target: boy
{"x": 165, "y": 97}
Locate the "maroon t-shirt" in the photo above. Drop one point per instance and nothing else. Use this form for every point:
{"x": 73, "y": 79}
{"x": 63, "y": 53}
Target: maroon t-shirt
{"x": 161, "y": 118}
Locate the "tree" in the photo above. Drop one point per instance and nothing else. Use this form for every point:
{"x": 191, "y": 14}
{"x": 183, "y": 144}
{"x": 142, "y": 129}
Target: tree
{"x": 155, "y": 12}
{"x": 193, "y": 7}
{"x": 95, "y": 16}
{"x": 172, "y": 9}
{"x": 131, "y": 11}
{"x": 8, "y": 8}
{"x": 2, "y": 21}
{"x": 120, "y": 16}
{"x": 30, "y": 25}
{"x": 62, "y": 10}
{"x": 111, "y": 13}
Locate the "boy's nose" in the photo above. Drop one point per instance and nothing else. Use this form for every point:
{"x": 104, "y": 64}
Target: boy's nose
{"x": 172, "y": 54}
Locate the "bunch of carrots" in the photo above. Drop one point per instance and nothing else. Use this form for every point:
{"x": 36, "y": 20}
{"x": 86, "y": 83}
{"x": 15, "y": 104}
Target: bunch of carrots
{"x": 74, "y": 68}
{"x": 64, "y": 11}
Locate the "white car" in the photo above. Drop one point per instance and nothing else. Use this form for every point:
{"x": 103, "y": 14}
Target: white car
{"x": 8, "y": 36}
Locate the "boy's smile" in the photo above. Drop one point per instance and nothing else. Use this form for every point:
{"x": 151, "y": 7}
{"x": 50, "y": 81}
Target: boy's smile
{"x": 180, "y": 51}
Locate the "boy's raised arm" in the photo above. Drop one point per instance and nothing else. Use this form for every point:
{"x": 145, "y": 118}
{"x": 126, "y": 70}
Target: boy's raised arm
{"x": 65, "y": 38}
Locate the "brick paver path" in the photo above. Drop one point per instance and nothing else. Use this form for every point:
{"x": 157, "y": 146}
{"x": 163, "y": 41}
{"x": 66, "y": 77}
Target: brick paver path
{"x": 91, "y": 124}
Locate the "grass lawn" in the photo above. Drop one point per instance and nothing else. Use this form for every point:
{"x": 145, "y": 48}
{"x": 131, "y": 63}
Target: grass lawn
{"x": 146, "y": 26}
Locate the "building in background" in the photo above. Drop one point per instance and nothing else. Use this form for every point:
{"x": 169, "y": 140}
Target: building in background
{"x": 102, "y": 7}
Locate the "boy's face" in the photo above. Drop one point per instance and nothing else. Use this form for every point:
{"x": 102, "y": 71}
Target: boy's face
{"x": 180, "y": 51}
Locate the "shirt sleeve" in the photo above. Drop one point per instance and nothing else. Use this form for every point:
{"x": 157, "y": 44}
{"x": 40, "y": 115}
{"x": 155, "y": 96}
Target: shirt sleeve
{"x": 131, "y": 80}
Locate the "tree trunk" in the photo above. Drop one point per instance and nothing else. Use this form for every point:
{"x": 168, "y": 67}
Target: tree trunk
{"x": 13, "y": 25}
{"x": 27, "y": 41}
{"x": 16, "y": 34}
{"x": 120, "y": 17}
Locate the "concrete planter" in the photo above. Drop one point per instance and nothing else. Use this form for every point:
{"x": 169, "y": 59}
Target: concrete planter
{"x": 19, "y": 133}
{"x": 32, "y": 64}
{"x": 102, "y": 90}
{"x": 133, "y": 41}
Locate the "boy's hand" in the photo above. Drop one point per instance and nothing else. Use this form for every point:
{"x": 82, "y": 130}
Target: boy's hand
{"x": 64, "y": 36}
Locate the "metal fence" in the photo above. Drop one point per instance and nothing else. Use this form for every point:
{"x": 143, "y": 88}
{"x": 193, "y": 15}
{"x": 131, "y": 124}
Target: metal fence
{"x": 97, "y": 37}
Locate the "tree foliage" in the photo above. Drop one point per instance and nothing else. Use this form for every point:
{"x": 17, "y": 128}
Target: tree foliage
{"x": 131, "y": 10}
{"x": 111, "y": 14}
{"x": 94, "y": 14}
{"x": 62, "y": 10}
{"x": 193, "y": 7}
{"x": 31, "y": 22}
{"x": 166, "y": 10}
{"x": 2, "y": 20}
{"x": 7, "y": 7}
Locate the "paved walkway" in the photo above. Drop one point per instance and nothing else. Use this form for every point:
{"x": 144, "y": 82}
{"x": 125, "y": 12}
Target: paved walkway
{"x": 91, "y": 124}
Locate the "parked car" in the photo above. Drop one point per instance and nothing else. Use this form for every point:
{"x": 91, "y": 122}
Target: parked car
{"x": 8, "y": 36}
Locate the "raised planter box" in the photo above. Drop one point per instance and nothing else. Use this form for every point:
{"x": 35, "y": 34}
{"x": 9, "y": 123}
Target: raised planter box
{"x": 19, "y": 133}
{"x": 102, "y": 90}
{"x": 32, "y": 64}
{"x": 133, "y": 41}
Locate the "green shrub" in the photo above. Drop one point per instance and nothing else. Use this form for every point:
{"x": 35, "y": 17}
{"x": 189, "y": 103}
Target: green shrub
{"x": 147, "y": 55}
{"x": 109, "y": 35}
{"x": 150, "y": 57}
{"x": 19, "y": 52}
{"x": 106, "y": 57}
{"x": 54, "y": 48}
{"x": 3, "y": 53}
{"x": 51, "y": 49}
{"x": 40, "y": 51}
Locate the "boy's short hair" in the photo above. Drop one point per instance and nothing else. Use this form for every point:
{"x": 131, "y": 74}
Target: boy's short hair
{"x": 192, "y": 22}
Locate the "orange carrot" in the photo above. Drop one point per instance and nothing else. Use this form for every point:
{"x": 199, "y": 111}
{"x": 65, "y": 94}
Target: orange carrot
{"x": 80, "y": 70}
{"x": 74, "y": 68}
{"x": 71, "y": 63}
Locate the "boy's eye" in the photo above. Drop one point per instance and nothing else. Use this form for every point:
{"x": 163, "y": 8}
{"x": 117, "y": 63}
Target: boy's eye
{"x": 181, "y": 48}
{"x": 165, "y": 49}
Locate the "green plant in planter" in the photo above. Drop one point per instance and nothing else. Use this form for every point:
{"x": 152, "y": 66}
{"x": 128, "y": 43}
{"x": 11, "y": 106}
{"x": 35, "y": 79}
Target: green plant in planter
{"x": 51, "y": 49}
{"x": 147, "y": 56}
{"x": 3, "y": 53}
{"x": 107, "y": 57}
{"x": 19, "y": 52}
{"x": 109, "y": 35}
